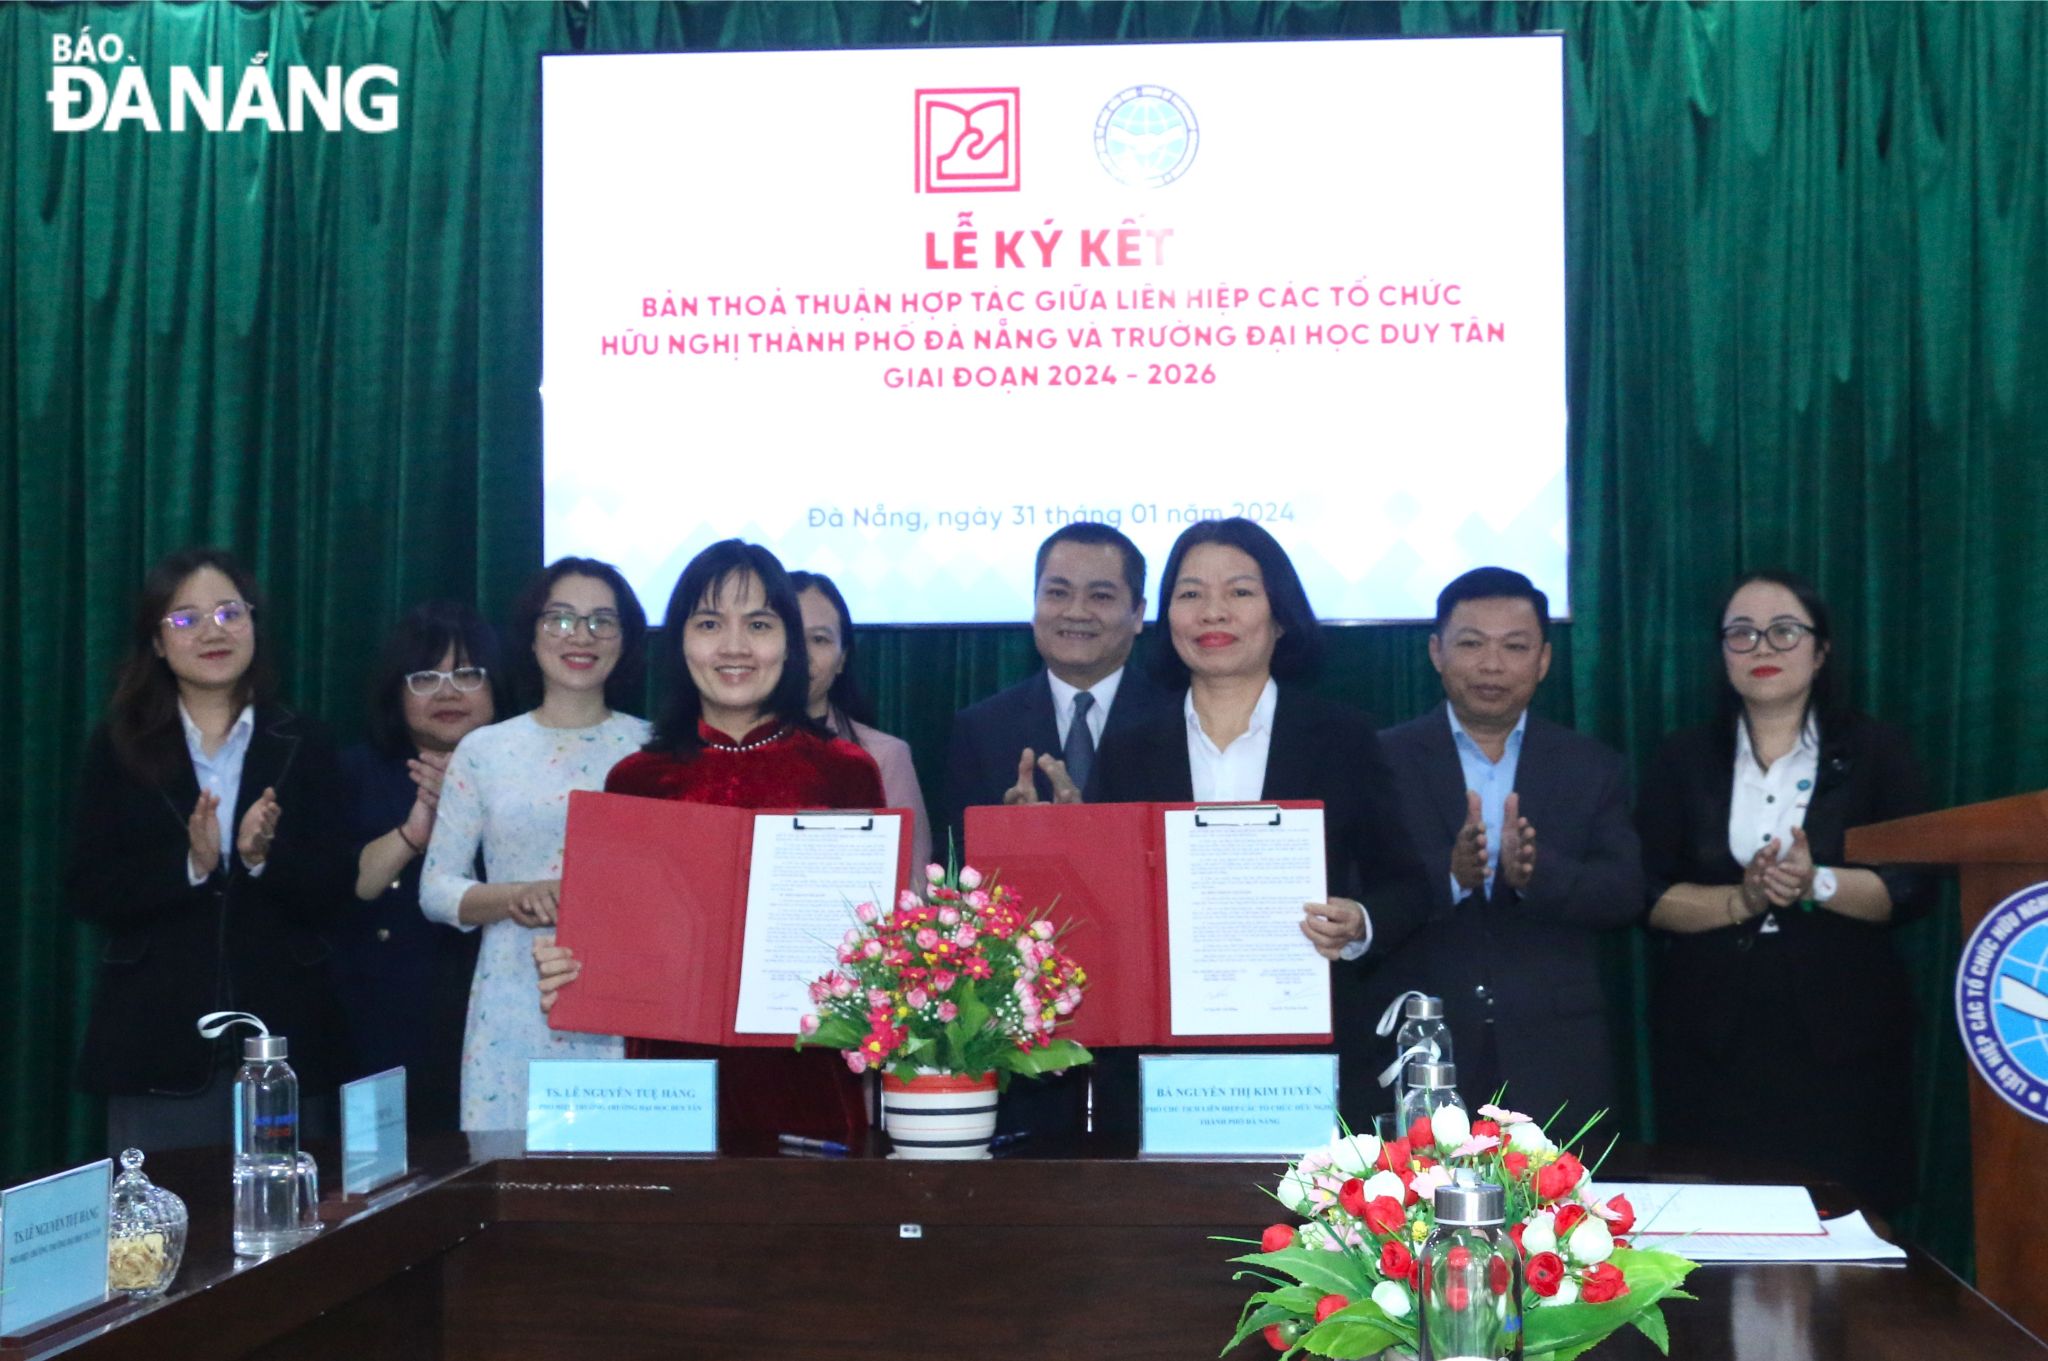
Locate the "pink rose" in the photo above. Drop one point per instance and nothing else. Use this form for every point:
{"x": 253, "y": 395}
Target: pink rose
{"x": 866, "y": 913}
{"x": 842, "y": 986}
{"x": 927, "y": 938}
{"x": 978, "y": 900}
{"x": 916, "y": 999}
{"x": 965, "y": 937}
{"x": 877, "y": 997}
{"x": 906, "y": 901}
{"x": 947, "y": 1011}
{"x": 970, "y": 877}
{"x": 935, "y": 872}
{"x": 856, "y": 1060}
{"x": 949, "y": 916}
{"x": 809, "y": 1025}
{"x": 1042, "y": 930}
{"x": 942, "y": 981}
{"x": 819, "y": 990}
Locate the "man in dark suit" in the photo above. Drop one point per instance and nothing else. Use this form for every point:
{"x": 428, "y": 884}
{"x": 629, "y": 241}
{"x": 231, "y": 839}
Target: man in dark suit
{"x": 1512, "y": 944}
{"x": 1023, "y": 743}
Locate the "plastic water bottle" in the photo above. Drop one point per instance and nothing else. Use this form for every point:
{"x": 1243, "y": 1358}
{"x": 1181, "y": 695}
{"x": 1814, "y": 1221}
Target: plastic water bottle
{"x": 1471, "y": 1306}
{"x": 272, "y": 1181}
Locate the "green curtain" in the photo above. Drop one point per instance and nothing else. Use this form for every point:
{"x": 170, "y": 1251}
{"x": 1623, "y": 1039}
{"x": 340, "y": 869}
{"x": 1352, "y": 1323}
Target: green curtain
{"x": 1804, "y": 245}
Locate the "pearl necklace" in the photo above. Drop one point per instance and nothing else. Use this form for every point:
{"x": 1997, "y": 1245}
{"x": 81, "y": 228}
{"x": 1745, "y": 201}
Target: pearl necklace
{"x": 758, "y": 742}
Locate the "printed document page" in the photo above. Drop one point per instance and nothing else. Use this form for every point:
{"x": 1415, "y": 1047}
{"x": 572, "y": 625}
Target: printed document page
{"x": 1236, "y": 881}
{"x": 808, "y": 872}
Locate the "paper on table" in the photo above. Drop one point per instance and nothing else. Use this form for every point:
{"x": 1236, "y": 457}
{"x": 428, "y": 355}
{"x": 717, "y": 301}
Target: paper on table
{"x": 1745, "y": 1224}
{"x": 1236, "y": 881}
{"x": 807, "y": 873}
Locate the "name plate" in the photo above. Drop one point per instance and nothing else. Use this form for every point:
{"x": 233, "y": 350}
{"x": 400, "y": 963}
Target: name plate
{"x": 622, "y": 1106}
{"x": 1212, "y": 1105}
{"x": 373, "y": 1138}
{"x": 53, "y": 1246}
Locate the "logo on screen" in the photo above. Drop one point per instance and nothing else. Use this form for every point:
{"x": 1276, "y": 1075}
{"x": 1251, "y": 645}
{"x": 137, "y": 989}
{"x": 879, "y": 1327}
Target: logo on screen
{"x": 2002, "y": 1000}
{"x": 967, "y": 141}
{"x": 1146, "y": 136}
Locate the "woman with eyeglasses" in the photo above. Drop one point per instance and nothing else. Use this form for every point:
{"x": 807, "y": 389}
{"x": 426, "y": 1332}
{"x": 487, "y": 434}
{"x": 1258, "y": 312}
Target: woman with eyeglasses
{"x": 404, "y": 979}
{"x": 841, "y": 705}
{"x": 1782, "y": 1018}
{"x": 506, "y": 794}
{"x": 207, "y": 853}
{"x": 736, "y": 731}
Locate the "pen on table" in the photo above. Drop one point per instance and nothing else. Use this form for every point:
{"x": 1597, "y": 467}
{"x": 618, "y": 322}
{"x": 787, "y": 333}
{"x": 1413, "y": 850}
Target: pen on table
{"x": 824, "y": 1147}
{"x": 1005, "y": 1140}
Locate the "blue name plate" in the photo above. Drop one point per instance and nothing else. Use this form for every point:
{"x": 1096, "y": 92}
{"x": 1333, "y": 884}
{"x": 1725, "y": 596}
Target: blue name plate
{"x": 373, "y": 1146}
{"x": 622, "y": 1106}
{"x": 53, "y": 1246}
{"x": 1219, "y": 1104}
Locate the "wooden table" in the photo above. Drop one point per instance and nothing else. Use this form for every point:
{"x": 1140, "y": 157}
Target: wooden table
{"x": 487, "y": 1253}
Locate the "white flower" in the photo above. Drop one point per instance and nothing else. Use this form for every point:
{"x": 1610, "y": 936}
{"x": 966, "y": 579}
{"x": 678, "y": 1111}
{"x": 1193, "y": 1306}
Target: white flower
{"x": 1354, "y": 1153}
{"x": 1450, "y": 1126}
{"x": 1567, "y": 1292}
{"x": 1385, "y": 1184}
{"x": 935, "y": 872}
{"x": 1590, "y": 1244}
{"x": 1392, "y": 1298}
{"x": 1294, "y": 1189}
{"x": 970, "y": 878}
{"x": 1539, "y": 1235}
{"x": 1528, "y": 1137}
{"x": 1501, "y": 1115}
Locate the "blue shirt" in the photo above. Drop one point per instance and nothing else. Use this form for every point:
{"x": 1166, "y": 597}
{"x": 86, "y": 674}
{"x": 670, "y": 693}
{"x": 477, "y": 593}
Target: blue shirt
{"x": 1494, "y": 781}
{"x": 220, "y": 774}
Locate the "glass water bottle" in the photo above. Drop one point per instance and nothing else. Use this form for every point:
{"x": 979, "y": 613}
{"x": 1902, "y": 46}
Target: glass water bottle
{"x": 1428, "y": 1088}
{"x": 1471, "y": 1279}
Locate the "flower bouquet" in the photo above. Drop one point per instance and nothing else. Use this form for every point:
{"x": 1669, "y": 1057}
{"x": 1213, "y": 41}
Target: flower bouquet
{"x": 1346, "y": 1283}
{"x": 963, "y": 981}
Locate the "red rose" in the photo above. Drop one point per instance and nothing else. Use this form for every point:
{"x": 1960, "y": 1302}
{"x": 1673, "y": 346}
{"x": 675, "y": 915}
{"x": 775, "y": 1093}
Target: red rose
{"x": 1627, "y": 1212}
{"x": 1545, "y": 1273}
{"x": 1383, "y": 1215}
{"x": 1276, "y": 1237}
{"x": 1420, "y": 1135}
{"x": 1559, "y": 1178}
{"x": 1408, "y": 1196}
{"x": 1602, "y": 1283}
{"x": 1483, "y": 1129}
{"x": 1497, "y": 1276}
{"x": 1620, "y": 1243}
{"x": 1275, "y": 1340}
{"x": 1514, "y": 1233}
{"x": 1517, "y": 1164}
{"x": 1393, "y": 1156}
{"x": 1351, "y": 1196}
{"x": 1396, "y": 1262}
{"x": 1568, "y": 1217}
{"x": 1328, "y": 1305}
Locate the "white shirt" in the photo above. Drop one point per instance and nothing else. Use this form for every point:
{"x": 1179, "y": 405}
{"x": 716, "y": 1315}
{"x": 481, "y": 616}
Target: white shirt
{"x": 1104, "y": 692}
{"x": 220, "y": 775}
{"x": 1767, "y": 804}
{"x": 1237, "y": 773}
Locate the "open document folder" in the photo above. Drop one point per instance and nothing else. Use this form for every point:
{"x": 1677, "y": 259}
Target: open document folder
{"x": 1745, "y": 1224}
{"x": 707, "y": 924}
{"x": 1187, "y": 917}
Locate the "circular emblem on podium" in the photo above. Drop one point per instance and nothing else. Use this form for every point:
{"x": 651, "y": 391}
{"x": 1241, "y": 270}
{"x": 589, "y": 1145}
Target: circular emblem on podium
{"x": 2002, "y": 1000}
{"x": 1146, "y": 136}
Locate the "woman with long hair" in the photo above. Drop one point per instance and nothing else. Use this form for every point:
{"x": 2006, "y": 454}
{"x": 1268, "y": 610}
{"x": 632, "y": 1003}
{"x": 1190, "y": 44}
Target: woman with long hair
{"x": 206, "y": 852}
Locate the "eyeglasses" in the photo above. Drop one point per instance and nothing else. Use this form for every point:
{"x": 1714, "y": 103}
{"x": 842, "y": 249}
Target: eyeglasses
{"x": 1784, "y": 635}
{"x": 562, "y": 623}
{"x": 232, "y": 615}
{"x": 465, "y": 679}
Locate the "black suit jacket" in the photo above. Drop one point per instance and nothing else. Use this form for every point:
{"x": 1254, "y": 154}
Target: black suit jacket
{"x": 1520, "y": 972}
{"x": 1319, "y": 750}
{"x": 171, "y": 952}
{"x": 989, "y": 737}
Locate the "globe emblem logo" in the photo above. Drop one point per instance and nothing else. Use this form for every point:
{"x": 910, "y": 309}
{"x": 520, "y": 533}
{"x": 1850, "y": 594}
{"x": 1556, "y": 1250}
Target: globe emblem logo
{"x": 2002, "y": 1000}
{"x": 1146, "y": 136}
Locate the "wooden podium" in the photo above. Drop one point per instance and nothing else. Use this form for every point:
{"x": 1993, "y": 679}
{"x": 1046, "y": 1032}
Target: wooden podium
{"x": 1997, "y": 848}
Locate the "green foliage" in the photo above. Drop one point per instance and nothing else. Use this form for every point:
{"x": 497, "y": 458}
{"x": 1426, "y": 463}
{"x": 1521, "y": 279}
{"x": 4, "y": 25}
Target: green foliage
{"x": 1568, "y": 1329}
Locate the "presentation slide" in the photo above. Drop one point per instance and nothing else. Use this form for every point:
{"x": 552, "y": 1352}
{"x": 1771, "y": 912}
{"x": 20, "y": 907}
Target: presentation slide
{"x": 900, "y": 314}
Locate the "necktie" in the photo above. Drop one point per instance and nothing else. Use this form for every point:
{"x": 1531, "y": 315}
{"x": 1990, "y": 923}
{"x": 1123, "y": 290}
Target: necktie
{"x": 1080, "y": 753}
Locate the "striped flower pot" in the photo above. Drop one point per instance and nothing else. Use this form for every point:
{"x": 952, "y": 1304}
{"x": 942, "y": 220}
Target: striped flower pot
{"x": 939, "y": 1115}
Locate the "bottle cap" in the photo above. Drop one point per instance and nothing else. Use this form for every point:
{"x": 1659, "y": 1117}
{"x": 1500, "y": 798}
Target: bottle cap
{"x": 1421, "y": 1008}
{"x": 1470, "y": 1204}
{"x": 264, "y": 1048}
{"x": 1424, "y": 1074}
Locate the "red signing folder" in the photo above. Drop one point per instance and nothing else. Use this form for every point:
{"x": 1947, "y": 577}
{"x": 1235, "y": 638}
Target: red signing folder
{"x": 654, "y": 903}
{"x": 1101, "y": 870}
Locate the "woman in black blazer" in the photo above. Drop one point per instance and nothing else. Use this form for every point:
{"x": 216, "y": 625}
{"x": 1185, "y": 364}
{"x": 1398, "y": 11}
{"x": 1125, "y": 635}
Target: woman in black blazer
{"x": 204, "y": 849}
{"x": 1243, "y": 639}
{"x": 1782, "y": 1018}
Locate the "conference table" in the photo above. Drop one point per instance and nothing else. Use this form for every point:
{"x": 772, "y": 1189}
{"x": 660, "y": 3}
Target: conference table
{"x": 485, "y": 1252}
